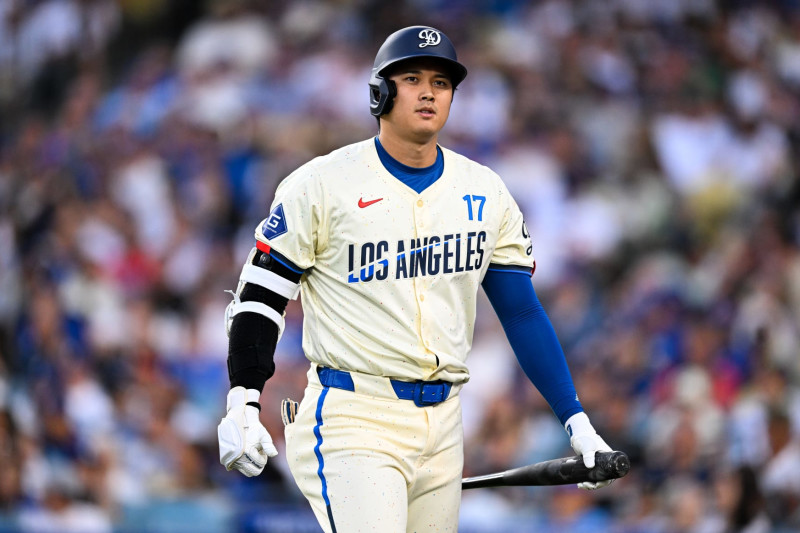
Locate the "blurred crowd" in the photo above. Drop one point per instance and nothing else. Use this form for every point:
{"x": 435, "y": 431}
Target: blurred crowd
{"x": 651, "y": 144}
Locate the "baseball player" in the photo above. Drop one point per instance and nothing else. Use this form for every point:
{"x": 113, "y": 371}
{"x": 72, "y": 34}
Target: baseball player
{"x": 388, "y": 240}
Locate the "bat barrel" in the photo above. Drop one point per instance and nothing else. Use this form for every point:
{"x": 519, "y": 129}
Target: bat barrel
{"x": 613, "y": 464}
{"x": 564, "y": 471}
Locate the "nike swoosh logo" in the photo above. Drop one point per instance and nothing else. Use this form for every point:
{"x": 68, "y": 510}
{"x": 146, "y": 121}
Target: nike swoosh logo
{"x": 362, "y": 204}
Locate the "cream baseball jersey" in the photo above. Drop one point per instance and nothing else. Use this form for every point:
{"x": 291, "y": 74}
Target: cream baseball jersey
{"x": 391, "y": 275}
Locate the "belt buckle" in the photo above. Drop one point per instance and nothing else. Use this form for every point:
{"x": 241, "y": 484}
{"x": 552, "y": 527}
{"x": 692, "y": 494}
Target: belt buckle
{"x": 419, "y": 387}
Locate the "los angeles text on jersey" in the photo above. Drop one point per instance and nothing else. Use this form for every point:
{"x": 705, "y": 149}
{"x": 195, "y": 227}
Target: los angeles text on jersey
{"x": 425, "y": 256}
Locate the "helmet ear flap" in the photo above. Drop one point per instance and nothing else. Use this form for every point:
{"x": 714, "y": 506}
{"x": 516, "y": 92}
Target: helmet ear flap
{"x": 381, "y": 95}
{"x": 392, "y": 89}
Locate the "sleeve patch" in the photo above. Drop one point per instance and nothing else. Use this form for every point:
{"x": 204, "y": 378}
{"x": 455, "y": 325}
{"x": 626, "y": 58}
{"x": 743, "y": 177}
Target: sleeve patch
{"x": 275, "y": 225}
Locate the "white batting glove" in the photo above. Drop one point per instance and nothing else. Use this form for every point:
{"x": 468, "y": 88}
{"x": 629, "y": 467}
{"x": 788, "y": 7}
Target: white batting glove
{"x": 244, "y": 443}
{"x": 585, "y": 441}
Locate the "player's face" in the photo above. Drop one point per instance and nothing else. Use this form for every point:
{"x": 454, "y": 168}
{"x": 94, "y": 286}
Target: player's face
{"x": 422, "y": 104}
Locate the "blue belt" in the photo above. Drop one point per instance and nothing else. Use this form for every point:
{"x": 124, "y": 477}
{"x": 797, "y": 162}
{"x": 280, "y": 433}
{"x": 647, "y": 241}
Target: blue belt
{"x": 422, "y": 393}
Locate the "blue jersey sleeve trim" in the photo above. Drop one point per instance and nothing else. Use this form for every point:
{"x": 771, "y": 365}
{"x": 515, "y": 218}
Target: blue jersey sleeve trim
{"x": 523, "y": 272}
{"x": 533, "y": 339}
{"x": 517, "y": 269}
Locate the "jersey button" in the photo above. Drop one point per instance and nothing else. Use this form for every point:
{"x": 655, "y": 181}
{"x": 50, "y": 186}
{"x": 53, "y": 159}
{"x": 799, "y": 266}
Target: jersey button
{"x": 419, "y": 203}
{"x": 421, "y": 297}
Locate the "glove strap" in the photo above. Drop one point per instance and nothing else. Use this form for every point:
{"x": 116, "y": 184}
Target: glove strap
{"x": 239, "y": 396}
{"x": 578, "y": 424}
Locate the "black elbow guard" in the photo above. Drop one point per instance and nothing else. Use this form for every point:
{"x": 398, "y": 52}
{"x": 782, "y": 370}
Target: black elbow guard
{"x": 251, "y": 348}
{"x": 255, "y": 321}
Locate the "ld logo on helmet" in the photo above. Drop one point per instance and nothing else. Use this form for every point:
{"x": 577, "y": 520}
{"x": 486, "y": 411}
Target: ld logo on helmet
{"x": 430, "y": 36}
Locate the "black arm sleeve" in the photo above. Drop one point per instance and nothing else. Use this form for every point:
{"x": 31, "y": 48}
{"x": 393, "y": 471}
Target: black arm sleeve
{"x": 253, "y": 337}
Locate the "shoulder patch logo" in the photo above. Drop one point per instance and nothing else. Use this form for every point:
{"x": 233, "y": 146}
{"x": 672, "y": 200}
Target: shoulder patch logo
{"x": 275, "y": 225}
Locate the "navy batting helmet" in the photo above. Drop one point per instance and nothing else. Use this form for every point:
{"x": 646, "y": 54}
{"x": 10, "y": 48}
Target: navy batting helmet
{"x": 409, "y": 43}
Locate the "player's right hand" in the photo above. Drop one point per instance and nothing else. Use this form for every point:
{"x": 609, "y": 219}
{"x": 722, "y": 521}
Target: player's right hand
{"x": 244, "y": 443}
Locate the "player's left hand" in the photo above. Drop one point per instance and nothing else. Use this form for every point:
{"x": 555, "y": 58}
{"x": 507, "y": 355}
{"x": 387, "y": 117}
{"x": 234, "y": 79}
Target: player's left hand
{"x": 244, "y": 443}
{"x": 586, "y": 442}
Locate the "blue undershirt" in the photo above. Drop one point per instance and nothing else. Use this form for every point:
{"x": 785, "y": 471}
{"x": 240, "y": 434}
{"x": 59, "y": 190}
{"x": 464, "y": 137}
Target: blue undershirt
{"x": 533, "y": 339}
{"x": 418, "y": 179}
{"x": 529, "y": 331}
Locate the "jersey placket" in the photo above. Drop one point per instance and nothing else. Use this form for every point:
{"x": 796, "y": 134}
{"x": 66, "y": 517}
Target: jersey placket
{"x": 421, "y": 283}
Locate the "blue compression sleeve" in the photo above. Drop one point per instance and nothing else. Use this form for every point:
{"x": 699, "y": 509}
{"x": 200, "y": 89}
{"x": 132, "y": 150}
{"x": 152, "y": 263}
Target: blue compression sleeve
{"x": 533, "y": 339}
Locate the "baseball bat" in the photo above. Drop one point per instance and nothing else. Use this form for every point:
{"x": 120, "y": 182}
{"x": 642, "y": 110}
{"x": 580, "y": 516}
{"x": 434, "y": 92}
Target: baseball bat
{"x": 563, "y": 471}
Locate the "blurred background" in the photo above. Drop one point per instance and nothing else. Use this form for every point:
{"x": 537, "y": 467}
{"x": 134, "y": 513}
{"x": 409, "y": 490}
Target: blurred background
{"x": 651, "y": 144}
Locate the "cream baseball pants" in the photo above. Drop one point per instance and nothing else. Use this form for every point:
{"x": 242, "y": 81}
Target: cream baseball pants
{"x": 370, "y": 462}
